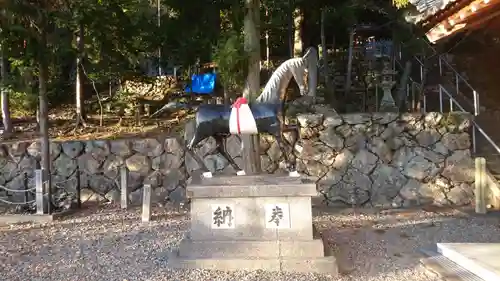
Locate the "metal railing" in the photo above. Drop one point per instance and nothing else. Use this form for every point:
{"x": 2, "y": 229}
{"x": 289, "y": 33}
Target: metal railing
{"x": 443, "y": 92}
{"x": 457, "y": 86}
{"x": 455, "y": 91}
{"x": 452, "y": 102}
{"x": 458, "y": 77}
{"x": 457, "y": 80}
{"x": 443, "y": 65}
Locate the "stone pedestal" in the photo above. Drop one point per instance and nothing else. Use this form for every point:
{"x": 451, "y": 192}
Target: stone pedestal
{"x": 250, "y": 223}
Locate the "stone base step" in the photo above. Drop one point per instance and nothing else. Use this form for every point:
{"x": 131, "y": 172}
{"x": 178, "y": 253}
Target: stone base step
{"x": 258, "y": 249}
{"x": 481, "y": 259}
{"x": 322, "y": 265}
{"x": 445, "y": 268}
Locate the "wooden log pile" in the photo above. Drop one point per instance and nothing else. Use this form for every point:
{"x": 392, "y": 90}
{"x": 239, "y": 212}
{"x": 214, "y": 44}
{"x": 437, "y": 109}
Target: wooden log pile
{"x": 157, "y": 88}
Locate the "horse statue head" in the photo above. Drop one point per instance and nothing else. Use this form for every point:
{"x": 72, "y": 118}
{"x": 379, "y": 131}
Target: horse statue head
{"x": 297, "y": 68}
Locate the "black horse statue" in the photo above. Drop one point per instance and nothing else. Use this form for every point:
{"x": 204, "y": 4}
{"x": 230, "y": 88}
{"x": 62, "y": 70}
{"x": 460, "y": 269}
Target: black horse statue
{"x": 213, "y": 120}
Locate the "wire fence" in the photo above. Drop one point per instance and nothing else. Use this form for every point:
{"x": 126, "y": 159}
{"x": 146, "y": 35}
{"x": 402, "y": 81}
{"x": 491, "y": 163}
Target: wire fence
{"x": 32, "y": 194}
{"x": 22, "y": 198}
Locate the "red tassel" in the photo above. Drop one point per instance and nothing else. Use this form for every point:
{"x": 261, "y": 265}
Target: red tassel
{"x": 239, "y": 101}
{"x": 237, "y": 104}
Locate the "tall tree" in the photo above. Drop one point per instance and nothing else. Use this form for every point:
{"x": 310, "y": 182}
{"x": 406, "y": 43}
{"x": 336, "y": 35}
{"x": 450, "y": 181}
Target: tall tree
{"x": 42, "y": 23}
{"x": 298, "y": 19}
{"x": 290, "y": 27}
{"x": 7, "y": 122}
{"x": 80, "y": 43}
{"x": 251, "y": 153}
{"x": 4, "y": 96}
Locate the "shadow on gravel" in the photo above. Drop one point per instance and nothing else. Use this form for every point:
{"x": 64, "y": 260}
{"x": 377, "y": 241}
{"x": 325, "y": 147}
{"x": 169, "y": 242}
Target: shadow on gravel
{"x": 113, "y": 244}
{"x": 370, "y": 242}
{"x": 117, "y": 254}
{"x": 92, "y": 208}
{"x": 91, "y": 215}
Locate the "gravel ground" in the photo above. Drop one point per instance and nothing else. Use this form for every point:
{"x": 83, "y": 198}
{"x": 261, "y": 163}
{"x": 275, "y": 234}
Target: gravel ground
{"x": 108, "y": 244}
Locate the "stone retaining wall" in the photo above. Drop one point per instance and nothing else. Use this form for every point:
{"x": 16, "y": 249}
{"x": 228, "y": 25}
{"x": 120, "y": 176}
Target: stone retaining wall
{"x": 389, "y": 160}
{"x": 95, "y": 166}
{"x": 382, "y": 159}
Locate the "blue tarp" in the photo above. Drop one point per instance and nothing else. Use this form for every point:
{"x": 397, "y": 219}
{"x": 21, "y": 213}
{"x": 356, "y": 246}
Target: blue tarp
{"x": 201, "y": 84}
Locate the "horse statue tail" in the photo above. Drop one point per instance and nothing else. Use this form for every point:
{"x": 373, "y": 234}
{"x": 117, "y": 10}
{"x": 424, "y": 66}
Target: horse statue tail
{"x": 173, "y": 106}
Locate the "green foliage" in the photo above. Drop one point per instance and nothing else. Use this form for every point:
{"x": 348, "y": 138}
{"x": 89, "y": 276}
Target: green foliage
{"x": 120, "y": 35}
{"x": 400, "y": 3}
{"x": 22, "y": 103}
{"x": 117, "y": 35}
{"x": 231, "y": 60}
{"x": 453, "y": 120}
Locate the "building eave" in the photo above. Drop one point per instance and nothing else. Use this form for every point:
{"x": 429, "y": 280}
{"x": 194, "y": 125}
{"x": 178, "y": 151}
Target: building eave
{"x": 430, "y": 11}
{"x": 470, "y": 16}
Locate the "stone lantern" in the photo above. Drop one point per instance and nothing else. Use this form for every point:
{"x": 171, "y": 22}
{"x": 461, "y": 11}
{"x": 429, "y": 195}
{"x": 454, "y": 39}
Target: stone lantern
{"x": 387, "y": 82}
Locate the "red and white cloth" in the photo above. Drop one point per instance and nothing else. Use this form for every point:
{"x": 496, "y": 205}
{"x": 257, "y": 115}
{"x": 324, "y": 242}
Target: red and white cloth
{"x": 241, "y": 120}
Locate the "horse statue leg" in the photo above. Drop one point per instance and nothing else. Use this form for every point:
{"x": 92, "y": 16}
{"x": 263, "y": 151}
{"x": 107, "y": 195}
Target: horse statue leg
{"x": 291, "y": 165}
{"x": 292, "y": 169}
{"x": 222, "y": 149}
{"x": 190, "y": 149}
{"x": 199, "y": 161}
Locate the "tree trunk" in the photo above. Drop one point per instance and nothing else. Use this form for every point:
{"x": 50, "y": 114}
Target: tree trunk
{"x": 420, "y": 92}
{"x": 324, "y": 54}
{"x": 332, "y": 70}
{"x": 290, "y": 27}
{"x": 323, "y": 40}
{"x": 297, "y": 43}
{"x": 267, "y": 39}
{"x": 348, "y": 79}
{"x": 334, "y": 52}
{"x": 7, "y": 122}
{"x": 401, "y": 97}
{"x": 226, "y": 95}
{"x": 251, "y": 155}
{"x": 79, "y": 97}
{"x": 44, "y": 110}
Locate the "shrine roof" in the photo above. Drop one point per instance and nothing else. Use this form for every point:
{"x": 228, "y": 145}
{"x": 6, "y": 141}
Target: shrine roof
{"x": 430, "y": 11}
{"x": 443, "y": 18}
